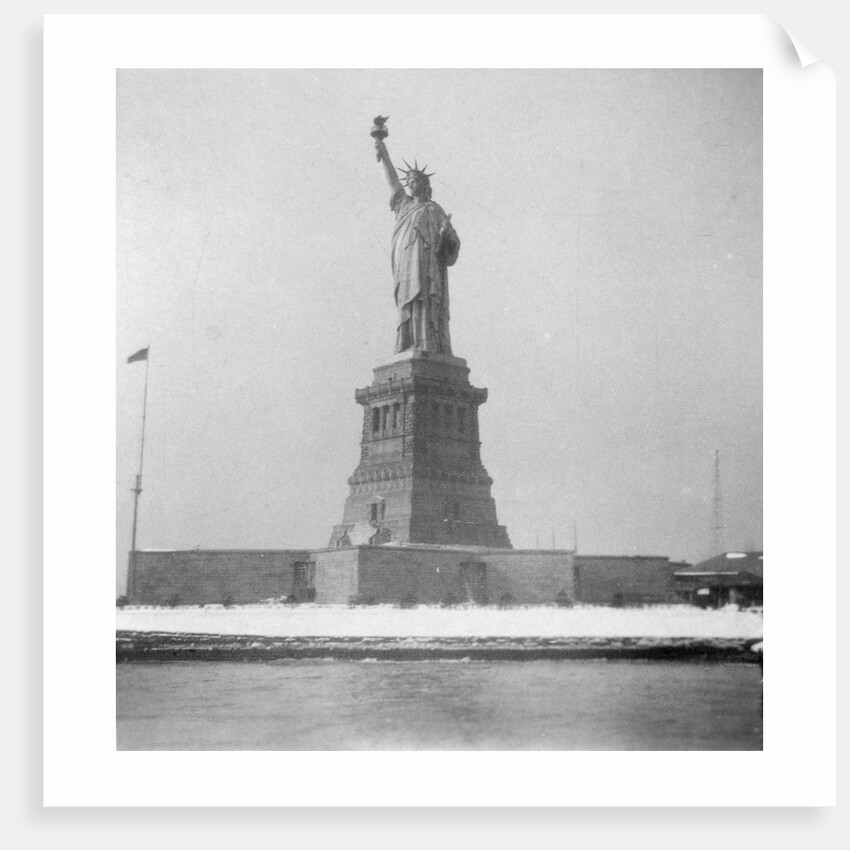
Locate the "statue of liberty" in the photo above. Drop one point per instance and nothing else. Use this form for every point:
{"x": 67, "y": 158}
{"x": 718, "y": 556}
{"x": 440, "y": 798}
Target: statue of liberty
{"x": 424, "y": 244}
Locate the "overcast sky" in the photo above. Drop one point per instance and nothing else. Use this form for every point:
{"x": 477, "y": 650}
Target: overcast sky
{"x": 608, "y": 294}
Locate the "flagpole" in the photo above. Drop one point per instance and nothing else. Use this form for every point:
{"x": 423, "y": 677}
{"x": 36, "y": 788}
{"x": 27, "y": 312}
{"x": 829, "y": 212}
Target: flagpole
{"x": 138, "y": 488}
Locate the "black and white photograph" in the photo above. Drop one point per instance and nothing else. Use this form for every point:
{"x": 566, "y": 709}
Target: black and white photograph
{"x": 440, "y": 409}
{"x": 422, "y": 396}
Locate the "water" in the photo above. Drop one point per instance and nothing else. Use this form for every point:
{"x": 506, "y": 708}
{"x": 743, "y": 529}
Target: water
{"x": 539, "y": 705}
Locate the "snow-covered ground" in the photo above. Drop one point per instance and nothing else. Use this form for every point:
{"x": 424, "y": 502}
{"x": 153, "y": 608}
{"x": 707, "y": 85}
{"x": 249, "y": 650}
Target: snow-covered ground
{"x": 675, "y": 621}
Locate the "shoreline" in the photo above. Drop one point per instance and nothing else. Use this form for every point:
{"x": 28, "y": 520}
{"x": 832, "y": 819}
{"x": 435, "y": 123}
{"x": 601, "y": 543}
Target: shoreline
{"x": 167, "y": 647}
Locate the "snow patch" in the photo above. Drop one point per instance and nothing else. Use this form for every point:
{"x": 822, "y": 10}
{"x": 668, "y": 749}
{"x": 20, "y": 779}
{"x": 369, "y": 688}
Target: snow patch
{"x": 311, "y": 620}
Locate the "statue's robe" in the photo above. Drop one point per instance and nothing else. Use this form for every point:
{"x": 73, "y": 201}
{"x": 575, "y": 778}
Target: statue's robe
{"x": 420, "y": 259}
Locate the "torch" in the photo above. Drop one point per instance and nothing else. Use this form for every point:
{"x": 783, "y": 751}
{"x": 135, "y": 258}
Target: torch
{"x": 379, "y": 132}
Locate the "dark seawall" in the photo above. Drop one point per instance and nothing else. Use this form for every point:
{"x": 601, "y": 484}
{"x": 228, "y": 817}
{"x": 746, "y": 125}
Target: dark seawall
{"x": 171, "y": 646}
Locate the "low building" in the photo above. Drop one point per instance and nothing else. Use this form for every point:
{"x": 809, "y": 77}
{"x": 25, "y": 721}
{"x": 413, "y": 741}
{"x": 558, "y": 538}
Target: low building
{"x": 730, "y": 578}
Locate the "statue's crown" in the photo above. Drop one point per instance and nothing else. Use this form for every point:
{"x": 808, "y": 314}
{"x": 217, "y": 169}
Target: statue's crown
{"x": 414, "y": 170}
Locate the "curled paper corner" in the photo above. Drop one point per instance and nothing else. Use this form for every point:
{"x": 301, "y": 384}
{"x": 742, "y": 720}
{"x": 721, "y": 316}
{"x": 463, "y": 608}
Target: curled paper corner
{"x": 794, "y": 48}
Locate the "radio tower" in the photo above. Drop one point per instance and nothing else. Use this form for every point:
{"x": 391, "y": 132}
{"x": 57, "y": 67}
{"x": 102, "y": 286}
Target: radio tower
{"x": 717, "y": 526}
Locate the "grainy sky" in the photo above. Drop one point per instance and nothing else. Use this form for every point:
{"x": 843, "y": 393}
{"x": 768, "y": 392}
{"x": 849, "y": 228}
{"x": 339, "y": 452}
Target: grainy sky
{"x": 608, "y": 294}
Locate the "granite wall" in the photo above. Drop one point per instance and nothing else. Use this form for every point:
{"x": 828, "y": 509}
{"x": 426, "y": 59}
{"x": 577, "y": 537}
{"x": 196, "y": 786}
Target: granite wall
{"x": 395, "y": 574}
{"x": 203, "y": 577}
{"x": 434, "y": 575}
{"x": 624, "y": 580}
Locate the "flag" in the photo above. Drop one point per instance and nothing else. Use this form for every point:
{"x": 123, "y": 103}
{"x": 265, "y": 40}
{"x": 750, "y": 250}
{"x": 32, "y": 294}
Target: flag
{"x": 141, "y": 354}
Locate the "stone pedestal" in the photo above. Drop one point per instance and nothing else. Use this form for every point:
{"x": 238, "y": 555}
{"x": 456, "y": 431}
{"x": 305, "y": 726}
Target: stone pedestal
{"x": 420, "y": 478}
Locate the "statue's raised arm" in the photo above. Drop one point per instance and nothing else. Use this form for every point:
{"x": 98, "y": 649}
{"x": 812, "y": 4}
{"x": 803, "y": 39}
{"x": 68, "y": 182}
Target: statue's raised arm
{"x": 379, "y": 133}
{"x": 424, "y": 244}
